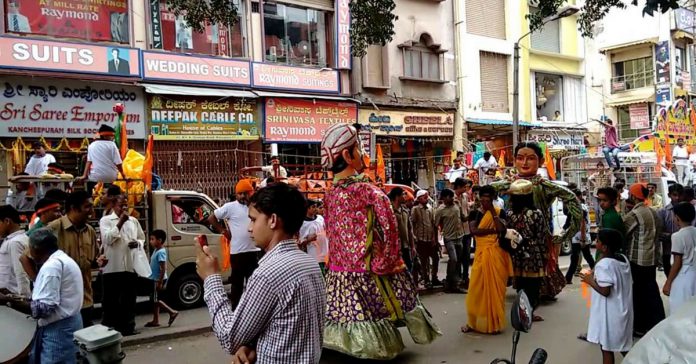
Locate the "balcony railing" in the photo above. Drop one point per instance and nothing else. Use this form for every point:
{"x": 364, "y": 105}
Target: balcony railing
{"x": 632, "y": 81}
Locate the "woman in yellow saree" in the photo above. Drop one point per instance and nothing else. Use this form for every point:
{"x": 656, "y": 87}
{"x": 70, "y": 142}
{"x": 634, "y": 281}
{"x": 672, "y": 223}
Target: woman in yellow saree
{"x": 485, "y": 302}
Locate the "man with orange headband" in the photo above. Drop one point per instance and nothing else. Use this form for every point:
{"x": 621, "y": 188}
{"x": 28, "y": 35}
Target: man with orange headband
{"x": 643, "y": 229}
{"x": 103, "y": 160}
{"x": 243, "y": 251}
{"x": 47, "y": 210}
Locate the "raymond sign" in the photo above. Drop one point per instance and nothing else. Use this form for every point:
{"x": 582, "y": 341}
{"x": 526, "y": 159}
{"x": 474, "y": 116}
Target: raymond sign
{"x": 66, "y": 108}
{"x": 189, "y": 118}
{"x": 408, "y": 123}
{"x": 78, "y": 19}
{"x": 42, "y": 55}
{"x": 295, "y": 78}
{"x": 343, "y": 56}
{"x": 304, "y": 121}
{"x": 639, "y": 116}
{"x": 180, "y": 68}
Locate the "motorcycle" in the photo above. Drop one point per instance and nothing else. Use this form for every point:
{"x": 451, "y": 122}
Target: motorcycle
{"x": 521, "y": 319}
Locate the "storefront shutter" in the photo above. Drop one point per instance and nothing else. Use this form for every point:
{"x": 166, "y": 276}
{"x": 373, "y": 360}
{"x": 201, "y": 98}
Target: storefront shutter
{"x": 486, "y": 18}
{"x": 494, "y": 82}
{"x": 327, "y": 5}
{"x": 548, "y": 38}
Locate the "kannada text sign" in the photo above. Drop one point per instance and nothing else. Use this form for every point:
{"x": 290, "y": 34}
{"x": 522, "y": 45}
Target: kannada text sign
{"x": 305, "y": 121}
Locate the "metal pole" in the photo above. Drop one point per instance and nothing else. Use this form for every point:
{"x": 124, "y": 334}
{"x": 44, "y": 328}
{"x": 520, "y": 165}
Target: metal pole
{"x": 516, "y": 97}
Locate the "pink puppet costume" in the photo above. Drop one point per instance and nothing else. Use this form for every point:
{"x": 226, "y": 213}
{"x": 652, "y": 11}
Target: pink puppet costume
{"x": 369, "y": 291}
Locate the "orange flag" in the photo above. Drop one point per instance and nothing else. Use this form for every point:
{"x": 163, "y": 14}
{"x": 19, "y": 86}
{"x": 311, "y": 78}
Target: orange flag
{"x": 381, "y": 170}
{"x": 146, "y": 174}
{"x": 660, "y": 157}
{"x": 549, "y": 162}
{"x": 501, "y": 164}
{"x": 668, "y": 148}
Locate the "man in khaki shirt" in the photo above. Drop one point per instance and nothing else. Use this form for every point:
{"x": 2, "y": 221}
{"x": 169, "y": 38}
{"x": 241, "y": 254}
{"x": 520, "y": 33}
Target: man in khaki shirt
{"x": 79, "y": 240}
{"x": 450, "y": 218}
{"x": 403, "y": 222}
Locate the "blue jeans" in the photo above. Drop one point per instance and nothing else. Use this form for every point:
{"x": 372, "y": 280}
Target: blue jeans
{"x": 454, "y": 253}
{"x": 613, "y": 152}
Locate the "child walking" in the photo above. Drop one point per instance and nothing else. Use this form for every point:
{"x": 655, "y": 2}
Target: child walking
{"x": 158, "y": 265}
{"x": 611, "y": 311}
{"x": 681, "y": 282}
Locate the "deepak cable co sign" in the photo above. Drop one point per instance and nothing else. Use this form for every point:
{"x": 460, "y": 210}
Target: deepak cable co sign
{"x": 74, "y": 109}
{"x": 304, "y": 121}
{"x": 50, "y": 56}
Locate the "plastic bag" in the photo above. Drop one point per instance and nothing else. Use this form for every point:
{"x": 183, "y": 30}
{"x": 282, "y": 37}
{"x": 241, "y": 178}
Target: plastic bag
{"x": 141, "y": 264}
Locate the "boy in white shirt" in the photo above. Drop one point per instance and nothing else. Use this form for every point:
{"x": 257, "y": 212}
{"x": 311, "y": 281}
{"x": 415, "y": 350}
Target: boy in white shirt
{"x": 611, "y": 311}
{"x": 313, "y": 235}
{"x": 681, "y": 282}
{"x": 38, "y": 163}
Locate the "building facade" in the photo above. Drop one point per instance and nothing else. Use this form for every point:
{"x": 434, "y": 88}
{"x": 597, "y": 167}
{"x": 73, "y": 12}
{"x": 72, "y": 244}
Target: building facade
{"x": 407, "y": 92}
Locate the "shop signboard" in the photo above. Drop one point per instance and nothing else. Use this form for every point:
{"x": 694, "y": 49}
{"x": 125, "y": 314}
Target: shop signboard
{"x": 304, "y": 121}
{"x": 343, "y": 56}
{"x": 105, "y": 21}
{"x": 50, "y": 56}
{"x": 273, "y": 76}
{"x": 66, "y": 108}
{"x": 560, "y": 139}
{"x": 674, "y": 122}
{"x": 408, "y": 123}
{"x": 685, "y": 19}
{"x": 160, "y": 66}
{"x": 639, "y": 116}
{"x": 202, "y": 118}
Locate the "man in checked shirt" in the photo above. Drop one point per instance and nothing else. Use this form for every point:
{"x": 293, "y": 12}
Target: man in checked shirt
{"x": 280, "y": 317}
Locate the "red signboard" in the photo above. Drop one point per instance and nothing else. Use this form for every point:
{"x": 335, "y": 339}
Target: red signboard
{"x": 639, "y": 116}
{"x": 78, "y": 19}
{"x": 304, "y": 121}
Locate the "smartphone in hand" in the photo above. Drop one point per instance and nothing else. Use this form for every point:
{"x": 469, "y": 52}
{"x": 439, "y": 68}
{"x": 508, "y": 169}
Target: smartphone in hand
{"x": 202, "y": 240}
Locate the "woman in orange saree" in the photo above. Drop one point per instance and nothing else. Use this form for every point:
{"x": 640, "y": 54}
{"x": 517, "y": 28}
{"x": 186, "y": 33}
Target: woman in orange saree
{"x": 485, "y": 302}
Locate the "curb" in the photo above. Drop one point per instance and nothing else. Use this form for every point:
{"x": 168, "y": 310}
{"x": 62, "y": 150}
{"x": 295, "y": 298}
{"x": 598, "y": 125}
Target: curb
{"x": 148, "y": 339}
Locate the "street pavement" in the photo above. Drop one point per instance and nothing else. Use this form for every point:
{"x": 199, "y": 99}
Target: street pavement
{"x": 564, "y": 320}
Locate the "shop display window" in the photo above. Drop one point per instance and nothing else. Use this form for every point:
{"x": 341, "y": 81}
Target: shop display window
{"x": 549, "y": 97}
{"x": 93, "y": 22}
{"x": 215, "y": 40}
{"x": 295, "y": 36}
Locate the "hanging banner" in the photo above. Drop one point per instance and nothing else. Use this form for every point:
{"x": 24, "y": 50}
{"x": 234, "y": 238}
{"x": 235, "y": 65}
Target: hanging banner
{"x": 67, "y": 108}
{"x": 104, "y": 21}
{"x": 662, "y": 62}
{"x": 674, "y": 123}
{"x": 639, "y": 116}
{"x": 155, "y": 25}
{"x": 200, "y": 118}
{"x": 343, "y": 56}
{"x": 305, "y": 121}
{"x": 49, "y": 56}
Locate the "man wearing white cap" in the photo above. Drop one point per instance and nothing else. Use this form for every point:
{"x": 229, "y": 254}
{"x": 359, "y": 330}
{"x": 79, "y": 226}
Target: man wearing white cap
{"x": 425, "y": 231}
{"x": 369, "y": 291}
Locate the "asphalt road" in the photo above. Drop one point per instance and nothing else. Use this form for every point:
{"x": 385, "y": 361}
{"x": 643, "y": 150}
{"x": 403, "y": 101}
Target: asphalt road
{"x": 565, "y": 319}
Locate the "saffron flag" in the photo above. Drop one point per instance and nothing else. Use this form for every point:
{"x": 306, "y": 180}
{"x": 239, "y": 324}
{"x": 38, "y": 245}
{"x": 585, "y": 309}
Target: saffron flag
{"x": 501, "y": 164}
{"x": 381, "y": 171}
{"x": 549, "y": 163}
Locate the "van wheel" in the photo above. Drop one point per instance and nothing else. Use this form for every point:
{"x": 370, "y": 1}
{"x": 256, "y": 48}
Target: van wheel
{"x": 566, "y": 248}
{"x": 187, "y": 291}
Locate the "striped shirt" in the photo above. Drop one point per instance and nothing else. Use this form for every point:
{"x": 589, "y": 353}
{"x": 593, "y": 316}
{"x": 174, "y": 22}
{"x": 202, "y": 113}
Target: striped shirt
{"x": 281, "y": 313}
{"x": 423, "y": 221}
{"x": 643, "y": 229}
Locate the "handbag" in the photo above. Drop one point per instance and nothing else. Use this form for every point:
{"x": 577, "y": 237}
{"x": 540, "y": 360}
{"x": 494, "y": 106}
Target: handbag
{"x": 141, "y": 264}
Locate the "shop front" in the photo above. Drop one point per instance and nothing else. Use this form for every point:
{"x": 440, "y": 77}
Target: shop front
{"x": 416, "y": 144}
{"x": 202, "y": 142}
{"x": 65, "y": 115}
{"x": 296, "y": 126}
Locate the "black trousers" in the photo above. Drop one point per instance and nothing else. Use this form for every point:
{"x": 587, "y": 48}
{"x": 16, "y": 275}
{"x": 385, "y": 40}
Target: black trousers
{"x": 243, "y": 265}
{"x": 667, "y": 256}
{"x": 87, "y": 313}
{"x": 408, "y": 260}
{"x": 120, "y": 291}
{"x": 575, "y": 259}
{"x": 648, "y": 310}
{"x": 531, "y": 286}
{"x": 465, "y": 259}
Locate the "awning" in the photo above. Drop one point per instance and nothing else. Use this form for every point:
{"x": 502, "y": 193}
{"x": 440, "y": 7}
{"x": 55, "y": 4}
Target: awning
{"x": 680, "y": 34}
{"x": 652, "y": 40}
{"x": 196, "y": 91}
{"x": 636, "y": 96}
{"x": 498, "y": 122}
{"x": 303, "y": 96}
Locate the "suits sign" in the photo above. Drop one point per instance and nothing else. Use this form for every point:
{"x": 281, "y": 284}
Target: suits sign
{"x": 50, "y": 56}
{"x": 77, "y": 19}
{"x": 66, "y": 108}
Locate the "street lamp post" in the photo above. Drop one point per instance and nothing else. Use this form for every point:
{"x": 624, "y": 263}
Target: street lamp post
{"x": 563, "y": 12}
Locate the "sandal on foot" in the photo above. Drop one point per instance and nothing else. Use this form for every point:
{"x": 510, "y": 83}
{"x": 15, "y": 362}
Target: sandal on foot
{"x": 466, "y": 329}
{"x": 172, "y": 317}
{"x": 582, "y": 337}
{"x": 152, "y": 324}
{"x": 537, "y": 318}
